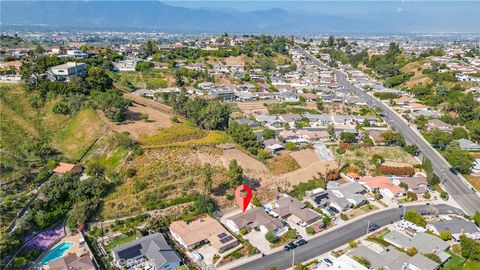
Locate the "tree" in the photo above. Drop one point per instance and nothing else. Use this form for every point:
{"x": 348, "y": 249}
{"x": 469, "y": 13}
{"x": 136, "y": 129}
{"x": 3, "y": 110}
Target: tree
{"x": 393, "y": 138}
{"x": 476, "y": 218}
{"x": 459, "y": 133}
{"x": 235, "y": 173}
{"x": 377, "y": 159}
{"x": 204, "y": 204}
{"x": 353, "y": 244}
{"x": 144, "y": 66}
{"x": 39, "y": 49}
{"x": 404, "y": 186}
{"x": 348, "y": 137}
{"x": 440, "y": 139}
{"x": 94, "y": 168}
{"x": 415, "y": 217}
{"x": 150, "y": 48}
{"x": 411, "y": 251}
{"x": 446, "y": 236}
{"x": 474, "y": 129}
{"x": 467, "y": 245}
{"x": 268, "y": 134}
{"x": 208, "y": 178}
{"x": 331, "y": 41}
{"x": 412, "y": 149}
{"x": 61, "y": 108}
{"x": 468, "y": 108}
{"x": 112, "y": 103}
{"x": 460, "y": 159}
{"x": 98, "y": 79}
{"x": 271, "y": 237}
{"x": 331, "y": 130}
{"x": 320, "y": 105}
{"x": 243, "y": 135}
{"x": 290, "y": 146}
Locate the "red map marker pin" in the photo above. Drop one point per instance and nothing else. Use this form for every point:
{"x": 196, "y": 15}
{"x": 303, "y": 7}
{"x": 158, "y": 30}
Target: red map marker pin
{"x": 243, "y": 201}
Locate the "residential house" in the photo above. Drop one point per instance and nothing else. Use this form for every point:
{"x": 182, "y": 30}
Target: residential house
{"x": 376, "y": 135}
{"x": 351, "y": 192}
{"x": 313, "y": 135}
{"x": 200, "y": 231}
{"x": 353, "y": 177}
{"x": 64, "y": 168}
{"x": 247, "y": 121}
{"x": 468, "y": 145}
{"x": 257, "y": 219}
{"x": 420, "y": 262}
{"x": 290, "y": 119}
{"x": 318, "y": 119}
{"x": 273, "y": 146}
{"x": 439, "y": 124}
{"x": 457, "y": 227}
{"x": 126, "y": 65}
{"x": 288, "y": 135}
{"x": 382, "y": 184}
{"x": 417, "y": 184}
{"x": 152, "y": 251}
{"x": 64, "y": 72}
{"x": 72, "y": 261}
{"x": 295, "y": 211}
{"x": 416, "y": 106}
{"x": 269, "y": 121}
{"x": 319, "y": 199}
{"x": 423, "y": 242}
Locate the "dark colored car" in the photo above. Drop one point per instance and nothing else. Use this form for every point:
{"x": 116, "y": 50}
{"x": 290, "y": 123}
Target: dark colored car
{"x": 373, "y": 227}
{"x": 289, "y": 246}
{"x": 301, "y": 242}
{"x": 333, "y": 209}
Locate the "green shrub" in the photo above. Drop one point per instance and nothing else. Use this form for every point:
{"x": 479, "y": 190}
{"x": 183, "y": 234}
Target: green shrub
{"x": 340, "y": 151}
{"x": 271, "y": 237}
{"x": 344, "y": 217}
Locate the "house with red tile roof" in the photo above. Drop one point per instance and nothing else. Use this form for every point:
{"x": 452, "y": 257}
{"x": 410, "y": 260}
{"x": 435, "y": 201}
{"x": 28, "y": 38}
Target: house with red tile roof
{"x": 64, "y": 168}
{"x": 383, "y": 184}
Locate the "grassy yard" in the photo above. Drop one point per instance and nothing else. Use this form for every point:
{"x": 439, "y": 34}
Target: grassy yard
{"x": 123, "y": 239}
{"x": 455, "y": 262}
{"x": 78, "y": 134}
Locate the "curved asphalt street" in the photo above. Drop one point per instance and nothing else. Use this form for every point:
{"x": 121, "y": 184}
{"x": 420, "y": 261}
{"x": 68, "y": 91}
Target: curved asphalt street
{"x": 454, "y": 184}
{"x": 336, "y": 238}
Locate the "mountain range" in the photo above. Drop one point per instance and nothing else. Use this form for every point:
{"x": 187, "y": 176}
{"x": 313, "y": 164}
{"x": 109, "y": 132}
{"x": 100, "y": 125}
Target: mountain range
{"x": 158, "y": 16}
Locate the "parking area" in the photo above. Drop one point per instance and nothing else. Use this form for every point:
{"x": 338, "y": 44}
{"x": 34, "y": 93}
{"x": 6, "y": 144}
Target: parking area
{"x": 207, "y": 252}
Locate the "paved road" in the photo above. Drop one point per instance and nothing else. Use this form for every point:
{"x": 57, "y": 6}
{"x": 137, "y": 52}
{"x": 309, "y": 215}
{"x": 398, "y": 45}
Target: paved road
{"x": 454, "y": 185}
{"x": 336, "y": 238}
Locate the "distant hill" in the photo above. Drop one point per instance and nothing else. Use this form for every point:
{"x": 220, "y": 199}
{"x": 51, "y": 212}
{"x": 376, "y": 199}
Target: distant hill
{"x": 152, "y": 15}
{"x": 158, "y": 16}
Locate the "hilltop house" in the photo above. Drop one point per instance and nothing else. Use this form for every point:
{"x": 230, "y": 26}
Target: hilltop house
{"x": 64, "y": 72}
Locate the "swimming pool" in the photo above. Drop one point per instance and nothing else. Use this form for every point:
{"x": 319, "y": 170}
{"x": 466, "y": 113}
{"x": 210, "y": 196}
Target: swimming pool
{"x": 56, "y": 253}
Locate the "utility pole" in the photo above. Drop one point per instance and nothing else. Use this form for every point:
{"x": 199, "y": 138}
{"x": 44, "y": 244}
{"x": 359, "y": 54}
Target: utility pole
{"x": 293, "y": 258}
{"x": 368, "y": 226}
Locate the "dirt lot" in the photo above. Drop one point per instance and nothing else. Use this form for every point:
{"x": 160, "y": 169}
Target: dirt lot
{"x": 234, "y": 60}
{"x": 309, "y": 163}
{"x": 254, "y": 107}
{"x": 136, "y": 126}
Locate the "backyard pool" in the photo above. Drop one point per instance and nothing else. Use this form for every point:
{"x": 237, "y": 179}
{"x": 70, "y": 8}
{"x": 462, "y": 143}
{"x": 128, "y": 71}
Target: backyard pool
{"x": 56, "y": 253}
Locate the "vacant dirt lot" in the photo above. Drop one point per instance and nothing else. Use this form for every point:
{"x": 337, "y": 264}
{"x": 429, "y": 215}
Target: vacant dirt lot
{"x": 136, "y": 126}
{"x": 310, "y": 166}
{"x": 234, "y": 60}
{"x": 254, "y": 107}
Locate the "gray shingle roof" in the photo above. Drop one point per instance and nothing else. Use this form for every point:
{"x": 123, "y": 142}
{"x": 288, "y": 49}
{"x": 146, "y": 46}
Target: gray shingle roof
{"x": 154, "y": 247}
{"x": 456, "y": 226}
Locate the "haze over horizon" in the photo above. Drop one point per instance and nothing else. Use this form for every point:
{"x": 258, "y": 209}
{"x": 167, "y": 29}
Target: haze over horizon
{"x": 289, "y": 17}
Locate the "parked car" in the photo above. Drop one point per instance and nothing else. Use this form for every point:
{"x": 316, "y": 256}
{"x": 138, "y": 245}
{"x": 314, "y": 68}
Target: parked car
{"x": 300, "y": 242}
{"x": 373, "y": 227}
{"x": 289, "y": 246}
{"x": 327, "y": 262}
{"x": 333, "y": 209}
